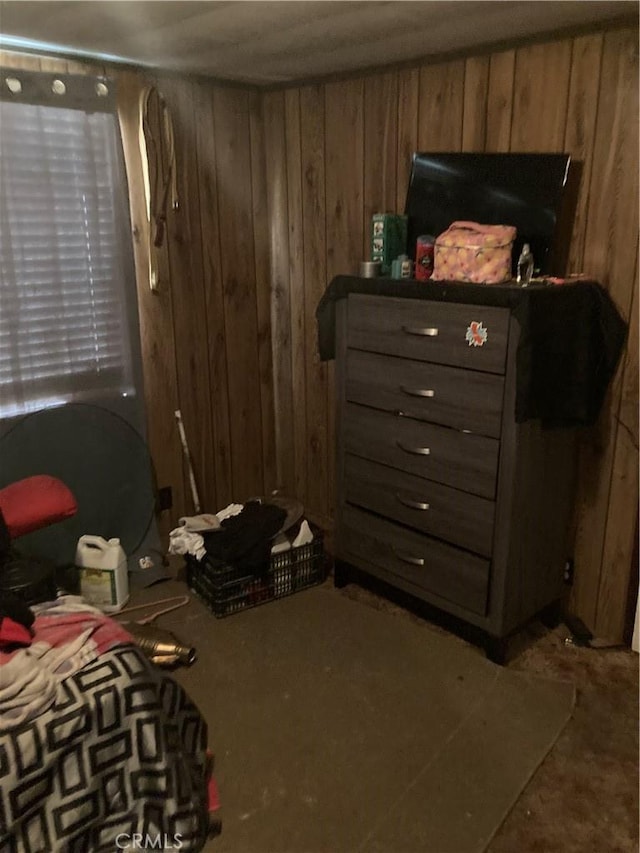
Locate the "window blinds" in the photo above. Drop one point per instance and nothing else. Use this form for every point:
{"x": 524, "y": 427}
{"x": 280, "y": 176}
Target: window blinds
{"x": 64, "y": 328}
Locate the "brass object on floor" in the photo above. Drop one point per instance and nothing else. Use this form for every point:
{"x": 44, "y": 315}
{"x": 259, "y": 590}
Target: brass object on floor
{"x": 162, "y": 647}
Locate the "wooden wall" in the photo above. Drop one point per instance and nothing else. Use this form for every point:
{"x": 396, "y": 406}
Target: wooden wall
{"x": 206, "y": 330}
{"x": 339, "y": 151}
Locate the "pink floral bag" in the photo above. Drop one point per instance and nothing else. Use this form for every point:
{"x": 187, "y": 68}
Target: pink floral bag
{"x": 469, "y": 251}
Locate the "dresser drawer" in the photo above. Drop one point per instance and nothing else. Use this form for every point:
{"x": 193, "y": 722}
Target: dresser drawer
{"x": 429, "y": 331}
{"x": 455, "y": 516}
{"x": 466, "y": 462}
{"x": 441, "y": 569}
{"x": 463, "y": 399}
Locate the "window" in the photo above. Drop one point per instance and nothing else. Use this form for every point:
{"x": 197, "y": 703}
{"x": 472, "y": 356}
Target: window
{"x": 65, "y": 254}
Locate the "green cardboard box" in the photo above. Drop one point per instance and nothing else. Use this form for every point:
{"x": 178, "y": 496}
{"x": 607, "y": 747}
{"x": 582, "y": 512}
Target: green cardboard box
{"x": 388, "y": 238}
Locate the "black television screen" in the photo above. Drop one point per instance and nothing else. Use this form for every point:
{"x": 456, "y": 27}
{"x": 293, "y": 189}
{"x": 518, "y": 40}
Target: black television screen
{"x": 524, "y": 190}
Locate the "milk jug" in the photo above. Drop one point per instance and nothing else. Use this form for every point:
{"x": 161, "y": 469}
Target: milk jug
{"x": 103, "y": 572}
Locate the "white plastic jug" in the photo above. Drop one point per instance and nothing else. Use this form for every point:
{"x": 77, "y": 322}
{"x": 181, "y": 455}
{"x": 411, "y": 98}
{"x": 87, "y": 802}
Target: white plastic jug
{"x": 103, "y": 572}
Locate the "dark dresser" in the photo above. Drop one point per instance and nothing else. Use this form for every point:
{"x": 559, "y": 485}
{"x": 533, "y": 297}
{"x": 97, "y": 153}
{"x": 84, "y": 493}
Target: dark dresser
{"x": 446, "y": 488}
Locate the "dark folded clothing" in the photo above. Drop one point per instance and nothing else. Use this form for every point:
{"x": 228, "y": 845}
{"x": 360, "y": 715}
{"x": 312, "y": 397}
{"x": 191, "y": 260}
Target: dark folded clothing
{"x": 245, "y": 540}
{"x": 27, "y": 578}
{"x": 571, "y": 338}
{"x": 5, "y": 539}
{"x": 13, "y": 608}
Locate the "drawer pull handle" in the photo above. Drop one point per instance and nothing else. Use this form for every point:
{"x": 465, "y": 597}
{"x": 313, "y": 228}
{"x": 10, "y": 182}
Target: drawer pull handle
{"x": 422, "y": 331}
{"x": 407, "y": 558}
{"x": 418, "y": 451}
{"x": 411, "y": 503}
{"x": 417, "y": 392}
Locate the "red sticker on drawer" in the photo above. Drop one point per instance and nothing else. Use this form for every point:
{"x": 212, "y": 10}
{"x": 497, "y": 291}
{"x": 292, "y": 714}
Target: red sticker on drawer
{"x": 476, "y": 334}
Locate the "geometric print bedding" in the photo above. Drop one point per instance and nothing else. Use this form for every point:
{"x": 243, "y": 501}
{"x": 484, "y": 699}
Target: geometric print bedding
{"x": 119, "y": 759}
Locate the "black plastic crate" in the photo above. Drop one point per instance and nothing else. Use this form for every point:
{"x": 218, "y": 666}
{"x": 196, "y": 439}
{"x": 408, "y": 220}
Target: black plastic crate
{"x": 225, "y": 589}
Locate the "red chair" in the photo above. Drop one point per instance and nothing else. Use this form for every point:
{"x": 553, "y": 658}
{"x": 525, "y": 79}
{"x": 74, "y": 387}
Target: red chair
{"x": 35, "y": 502}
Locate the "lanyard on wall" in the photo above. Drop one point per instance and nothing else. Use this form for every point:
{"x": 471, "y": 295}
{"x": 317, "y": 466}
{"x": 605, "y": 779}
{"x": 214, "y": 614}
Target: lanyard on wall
{"x": 157, "y": 148}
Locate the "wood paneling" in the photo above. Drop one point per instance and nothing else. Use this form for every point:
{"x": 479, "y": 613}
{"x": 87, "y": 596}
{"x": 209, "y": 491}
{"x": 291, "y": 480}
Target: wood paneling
{"x": 296, "y": 289}
{"x": 205, "y": 350}
{"x": 263, "y": 293}
{"x": 441, "y": 105}
{"x": 580, "y": 129}
{"x": 474, "y": 115}
{"x": 380, "y": 147}
{"x": 500, "y": 100}
{"x": 577, "y": 95}
{"x": 344, "y": 150}
{"x": 622, "y": 509}
{"x": 278, "y": 207}
{"x": 408, "y": 99}
{"x": 315, "y": 279}
{"x": 213, "y": 293}
{"x": 344, "y": 178}
{"x": 610, "y": 247}
{"x": 235, "y": 211}
{"x": 156, "y": 318}
{"x": 184, "y": 241}
{"x": 540, "y": 95}
{"x": 212, "y": 337}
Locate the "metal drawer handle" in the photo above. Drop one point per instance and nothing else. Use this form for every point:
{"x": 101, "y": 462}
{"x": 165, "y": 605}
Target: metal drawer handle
{"x": 423, "y": 331}
{"x": 411, "y": 503}
{"x": 418, "y": 451}
{"x": 407, "y": 558}
{"x": 417, "y": 392}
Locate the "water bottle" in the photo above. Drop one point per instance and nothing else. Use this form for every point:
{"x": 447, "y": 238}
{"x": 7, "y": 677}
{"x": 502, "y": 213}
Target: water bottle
{"x": 525, "y": 266}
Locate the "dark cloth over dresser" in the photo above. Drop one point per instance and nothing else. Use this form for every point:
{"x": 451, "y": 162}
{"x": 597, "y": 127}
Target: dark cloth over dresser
{"x": 571, "y": 337}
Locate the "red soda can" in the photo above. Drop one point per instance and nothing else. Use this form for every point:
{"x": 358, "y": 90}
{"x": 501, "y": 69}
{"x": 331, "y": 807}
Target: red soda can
{"x": 424, "y": 257}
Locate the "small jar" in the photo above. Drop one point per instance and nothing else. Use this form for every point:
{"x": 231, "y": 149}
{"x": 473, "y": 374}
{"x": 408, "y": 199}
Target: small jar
{"x": 406, "y": 266}
{"x": 370, "y": 269}
{"x": 425, "y": 246}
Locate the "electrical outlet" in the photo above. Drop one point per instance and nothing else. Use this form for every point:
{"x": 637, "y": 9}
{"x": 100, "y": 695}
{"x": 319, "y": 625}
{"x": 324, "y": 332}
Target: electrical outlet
{"x": 165, "y": 498}
{"x": 568, "y": 572}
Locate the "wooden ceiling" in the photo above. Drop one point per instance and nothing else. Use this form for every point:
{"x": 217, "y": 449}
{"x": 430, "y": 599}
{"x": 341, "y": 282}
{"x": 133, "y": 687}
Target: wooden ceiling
{"x": 266, "y": 43}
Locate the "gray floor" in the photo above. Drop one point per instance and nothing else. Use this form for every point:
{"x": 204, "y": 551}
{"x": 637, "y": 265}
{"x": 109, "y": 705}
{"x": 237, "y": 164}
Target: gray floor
{"x": 341, "y": 723}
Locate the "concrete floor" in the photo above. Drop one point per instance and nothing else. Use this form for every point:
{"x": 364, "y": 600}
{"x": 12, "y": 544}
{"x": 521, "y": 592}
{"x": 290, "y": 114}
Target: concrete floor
{"x": 584, "y": 796}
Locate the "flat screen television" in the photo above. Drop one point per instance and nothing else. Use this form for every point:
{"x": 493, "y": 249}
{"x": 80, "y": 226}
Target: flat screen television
{"x": 534, "y": 192}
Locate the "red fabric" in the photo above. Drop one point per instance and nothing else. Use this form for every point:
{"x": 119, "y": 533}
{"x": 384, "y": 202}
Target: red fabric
{"x": 63, "y": 628}
{"x": 212, "y": 786}
{"x": 212, "y": 794}
{"x": 35, "y": 502}
{"x": 13, "y": 633}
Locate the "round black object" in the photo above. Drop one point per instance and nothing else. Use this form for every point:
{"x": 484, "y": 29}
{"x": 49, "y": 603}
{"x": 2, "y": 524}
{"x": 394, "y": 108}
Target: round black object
{"x": 30, "y": 579}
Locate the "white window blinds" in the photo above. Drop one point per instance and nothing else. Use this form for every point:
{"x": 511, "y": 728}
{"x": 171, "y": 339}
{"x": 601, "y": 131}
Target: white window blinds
{"x": 64, "y": 332}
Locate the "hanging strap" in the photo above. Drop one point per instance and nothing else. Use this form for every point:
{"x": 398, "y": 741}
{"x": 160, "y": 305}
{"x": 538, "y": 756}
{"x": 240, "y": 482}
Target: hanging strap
{"x": 157, "y": 149}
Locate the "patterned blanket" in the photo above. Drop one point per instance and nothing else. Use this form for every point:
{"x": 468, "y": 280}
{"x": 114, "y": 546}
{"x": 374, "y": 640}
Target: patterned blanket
{"x": 119, "y": 751}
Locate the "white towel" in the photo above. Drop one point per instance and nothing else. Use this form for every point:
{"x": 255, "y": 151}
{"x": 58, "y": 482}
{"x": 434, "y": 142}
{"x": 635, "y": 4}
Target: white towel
{"x": 182, "y": 541}
{"x": 304, "y": 535}
{"x": 200, "y": 523}
{"x": 281, "y": 543}
{"x": 228, "y": 511}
